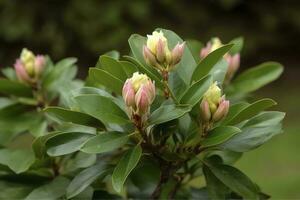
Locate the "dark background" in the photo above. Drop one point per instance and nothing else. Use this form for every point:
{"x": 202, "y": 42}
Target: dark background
{"x": 88, "y": 28}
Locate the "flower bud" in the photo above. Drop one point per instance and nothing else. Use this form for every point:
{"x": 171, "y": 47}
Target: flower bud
{"x": 153, "y": 40}
{"x": 222, "y": 110}
{"x": 139, "y": 93}
{"x": 205, "y": 50}
{"x": 212, "y": 45}
{"x": 160, "y": 51}
{"x": 149, "y": 57}
{"x": 29, "y": 67}
{"x": 21, "y": 72}
{"x": 205, "y": 111}
{"x": 233, "y": 65}
{"x": 128, "y": 94}
{"x": 213, "y": 97}
{"x": 177, "y": 53}
{"x": 142, "y": 100}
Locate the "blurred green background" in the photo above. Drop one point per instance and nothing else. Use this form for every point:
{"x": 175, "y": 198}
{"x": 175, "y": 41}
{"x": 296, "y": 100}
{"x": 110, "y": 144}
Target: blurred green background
{"x": 86, "y": 29}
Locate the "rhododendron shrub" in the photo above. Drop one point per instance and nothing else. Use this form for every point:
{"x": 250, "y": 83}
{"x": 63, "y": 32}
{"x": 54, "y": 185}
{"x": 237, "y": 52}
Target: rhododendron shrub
{"x": 167, "y": 121}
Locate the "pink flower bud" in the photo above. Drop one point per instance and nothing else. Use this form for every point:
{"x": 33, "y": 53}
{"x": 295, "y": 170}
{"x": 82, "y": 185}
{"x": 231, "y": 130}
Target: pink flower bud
{"x": 151, "y": 90}
{"x": 221, "y": 111}
{"x": 205, "y": 111}
{"x": 128, "y": 94}
{"x": 177, "y": 53}
{"x": 205, "y": 50}
{"x": 149, "y": 56}
{"x": 160, "y": 51}
{"x": 143, "y": 100}
{"x": 39, "y": 64}
{"x": 233, "y": 65}
{"x": 21, "y": 72}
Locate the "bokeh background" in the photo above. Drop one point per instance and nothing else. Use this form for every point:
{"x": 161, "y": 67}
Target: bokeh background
{"x": 86, "y": 29}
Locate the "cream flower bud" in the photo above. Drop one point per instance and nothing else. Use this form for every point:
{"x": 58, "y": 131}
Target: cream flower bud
{"x": 28, "y": 60}
{"x": 222, "y": 110}
{"x": 39, "y": 64}
{"x": 216, "y": 43}
{"x": 153, "y": 39}
{"x": 177, "y": 53}
{"x": 213, "y": 97}
{"x": 205, "y": 111}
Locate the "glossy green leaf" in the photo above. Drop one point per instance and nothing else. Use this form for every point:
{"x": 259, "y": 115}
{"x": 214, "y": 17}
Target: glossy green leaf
{"x": 219, "y": 135}
{"x": 18, "y": 160}
{"x": 102, "y": 108}
{"x": 251, "y": 110}
{"x": 195, "y": 48}
{"x": 167, "y": 113}
{"x": 113, "y": 54}
{"x": 106, "y": 79}
{"x": 256, "y": 77}
{"x": 216, "y": 189}
{"x": 206, "y": 64}
{"x": 75, "y": 117}
{"x": 51, "y": 191}
{"x": 238, "y": 45}
{"x": 126, "y": 164}
{"x": 85, "y": 178}
{"x": 256, "y": 131}
{"x": 105, "y": 142}
{"x": 235, "y": 180}
{"x": 195, "y": 92}
{"x": 14, "y": 88}
{"x": 112, "y": 67}
{"x": 39, "y": 144}
{"x": 66, "y": 143}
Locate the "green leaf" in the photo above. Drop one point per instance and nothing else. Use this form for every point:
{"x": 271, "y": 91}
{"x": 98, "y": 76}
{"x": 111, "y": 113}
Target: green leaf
{"x": 206, "y": 64}
{"x": 51, "y": 191}
{"x": 216, "y": 189}
{"x": 112, "y": 67}
{"x": 75, "y": 117}
{"x": 151, "y": 73}
{"x": 219, "y": 135}
{"x": 14, "y": 88}
{"x": 184, "y": 72}
{"x": 167, "y": 113}
{"x": 85, "y": 178}
{"x": 106, "y": 79}
{"x": 256, "y": 77}
{"x": 66, "y": 143}
{"x": 127, "y": 163}
{"x": 105, "y": 142}
{"x": 60, "y": 73}
{"x": 18, "y": 160}
{"x": 129, "y": 68}
{"x": 195, "y": 48}
{"x": 234, "y": 110}
{"x": 238, "y": 45}
{"x": 235, "y": 180}
{"x": 195, "y": 92}
{"x": 102, "y": 108}
{"x": 114, "y": 54}
{"x": 251, "y": 110}
{"x": 256, "y": 131}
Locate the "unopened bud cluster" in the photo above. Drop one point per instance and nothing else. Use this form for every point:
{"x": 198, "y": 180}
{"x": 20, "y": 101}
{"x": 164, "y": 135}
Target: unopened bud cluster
{"x": 138, "y": 94}
{"x": 157, "y": 54}
{"x": 232, "y": 60}
{"x": 213, "y": 107}
{"x": 29, "y": 67}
